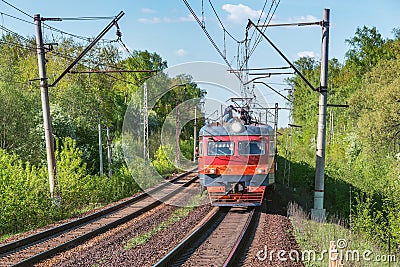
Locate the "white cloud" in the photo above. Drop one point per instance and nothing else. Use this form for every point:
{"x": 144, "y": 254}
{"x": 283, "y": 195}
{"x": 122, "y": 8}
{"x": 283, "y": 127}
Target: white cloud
{"x": 150, "y": 21}
{"x": 308, "y": 18}
{"x": 187, "y": 18}
{"x": 306, "y": 54}
{"x": 240, "y": 13}
{"x": 181, "y": 52}
{"x": 148, "y": 10}
{"x": 155, "y": 20}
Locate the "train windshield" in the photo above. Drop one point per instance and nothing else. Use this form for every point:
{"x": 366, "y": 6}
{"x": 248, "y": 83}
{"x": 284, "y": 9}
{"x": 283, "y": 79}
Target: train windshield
{"x": 220, "y": 148}
{"x": 251, "y": 148}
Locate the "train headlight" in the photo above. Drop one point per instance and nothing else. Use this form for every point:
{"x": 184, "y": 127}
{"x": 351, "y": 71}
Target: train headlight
{"x": 260, "y": 170}
{"x": 211, "y": 171}
{"x": 236, "y": 127}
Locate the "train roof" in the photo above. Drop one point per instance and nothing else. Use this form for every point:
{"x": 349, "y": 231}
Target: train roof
{"x": 227, "y": 130}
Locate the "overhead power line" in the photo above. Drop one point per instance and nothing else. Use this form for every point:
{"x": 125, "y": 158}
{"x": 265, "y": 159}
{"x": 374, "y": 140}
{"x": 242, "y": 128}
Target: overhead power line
{"x": 14, "y": 17}
{"x": 14, "y": 33}
{"x": 33, "y": 49}
{"x": 23, "y": 12}
{"x": 220, "y": 22}
{"x": 209, "y": 37}
{"x": 258, "y": 37}
{"x": 206, "y": 32}
{"x": 50, "y": 27}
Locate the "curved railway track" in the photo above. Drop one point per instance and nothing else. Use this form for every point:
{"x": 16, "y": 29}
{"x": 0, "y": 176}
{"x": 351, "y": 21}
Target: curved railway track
{"x": 34, "y": 248}
{"x": 217, "y": 241}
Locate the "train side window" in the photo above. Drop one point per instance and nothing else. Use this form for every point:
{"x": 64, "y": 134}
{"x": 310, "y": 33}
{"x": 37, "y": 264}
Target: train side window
{"x": 220, "y": 148}
{"x": 200, "y": 149}
{"x": 251, "y": 148}
{"x": 271, "y": 148}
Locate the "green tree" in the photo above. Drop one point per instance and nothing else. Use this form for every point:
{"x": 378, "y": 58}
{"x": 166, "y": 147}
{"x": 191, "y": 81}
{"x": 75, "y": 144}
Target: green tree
{"x": 366, "y": 49}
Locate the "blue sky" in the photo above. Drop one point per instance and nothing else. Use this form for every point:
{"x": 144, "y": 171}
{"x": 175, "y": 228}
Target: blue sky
{"x": 166, "y": 26}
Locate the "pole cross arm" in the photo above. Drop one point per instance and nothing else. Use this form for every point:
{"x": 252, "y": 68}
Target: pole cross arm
{"x": 251, "y": 23}
{"x": 270, "y": 87}
{"x": 90, "y": 46}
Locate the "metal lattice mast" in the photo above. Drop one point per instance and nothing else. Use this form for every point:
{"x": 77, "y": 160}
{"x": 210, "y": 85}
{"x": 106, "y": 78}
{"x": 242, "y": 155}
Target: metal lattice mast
{"x": 145, "y": 125}
{"x": 289, "y": 141}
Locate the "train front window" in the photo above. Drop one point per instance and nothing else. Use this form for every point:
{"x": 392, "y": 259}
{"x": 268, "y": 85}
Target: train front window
{"x": 251, "y": 148}
{"x": 220, "y": 148}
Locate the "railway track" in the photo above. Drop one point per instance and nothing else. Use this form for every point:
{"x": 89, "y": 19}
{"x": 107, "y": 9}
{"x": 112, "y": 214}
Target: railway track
{"x": 34, "y": 248}
{"x": 217, "y": 241}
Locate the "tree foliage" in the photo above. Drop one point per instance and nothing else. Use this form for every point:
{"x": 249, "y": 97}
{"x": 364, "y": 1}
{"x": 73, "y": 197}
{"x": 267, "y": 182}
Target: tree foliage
{"x": 78, "y": 103}
{"x": 363, "y": 141}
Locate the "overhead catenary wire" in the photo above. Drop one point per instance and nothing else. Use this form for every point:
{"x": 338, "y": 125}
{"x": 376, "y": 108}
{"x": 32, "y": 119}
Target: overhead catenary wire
{"x": 269, "y": 15}
{"x": 23, "y": 12}
{"x": 259, "y": 35}
{"x": 46, "y": 26}
{"x": 14, "y": 17}
{"x": 43, "y": 24}
{"x": 32, "y": 49}
{"x": 89, "y": 47}
{"x": 259, "y": 18}
{"x": 220, "y": 22}
{"x": 14, "y": 33}
{"x": 209, "y": 36}
{"x": 265, "y": 20}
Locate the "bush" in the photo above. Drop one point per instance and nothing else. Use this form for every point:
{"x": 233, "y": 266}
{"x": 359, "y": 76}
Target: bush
{"x": 162, "y": 164}
{"x": 25, "y": 200}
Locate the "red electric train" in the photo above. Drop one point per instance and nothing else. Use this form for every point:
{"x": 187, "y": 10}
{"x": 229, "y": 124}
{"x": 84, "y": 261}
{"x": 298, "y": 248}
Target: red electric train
{"x": 236, "y": 162}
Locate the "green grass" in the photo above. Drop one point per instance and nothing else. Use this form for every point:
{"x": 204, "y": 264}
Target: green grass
{"x": 177, "y": 215}
{"x": 311, "y": 235}
{"x": 5, "y": 236}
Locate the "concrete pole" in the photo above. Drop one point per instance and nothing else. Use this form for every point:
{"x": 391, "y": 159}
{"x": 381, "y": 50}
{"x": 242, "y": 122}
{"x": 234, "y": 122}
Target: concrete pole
{"x": 177, "y": 135}
{"x": 44, "y": 90}
{"x": 100, "y": 149}
{"x": 109, "y": 152}
{"x": 318, "y": 212}
{"x": 276, "y": 130}
{"x": 195, "y": 134}
{"x": 145, "y": 125}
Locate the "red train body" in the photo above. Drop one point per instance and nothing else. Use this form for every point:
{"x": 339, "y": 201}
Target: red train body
{"x": 236, "y": 163}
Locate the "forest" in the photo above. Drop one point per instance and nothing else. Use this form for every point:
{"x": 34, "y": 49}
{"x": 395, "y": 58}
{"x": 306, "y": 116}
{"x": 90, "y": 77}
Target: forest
{"x": 80, "y": 105}
{"x": 362, "y": 170}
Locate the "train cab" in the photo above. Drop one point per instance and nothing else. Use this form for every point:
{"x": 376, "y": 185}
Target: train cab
{"x": 236, "y": 162}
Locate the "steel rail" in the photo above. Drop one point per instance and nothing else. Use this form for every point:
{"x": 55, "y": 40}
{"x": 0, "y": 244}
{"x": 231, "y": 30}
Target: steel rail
{"x": 26, "y": 242}
{"x": 235, "y": 252}
{"x": 184, "y": 246}
{"x": 200, "y": 230}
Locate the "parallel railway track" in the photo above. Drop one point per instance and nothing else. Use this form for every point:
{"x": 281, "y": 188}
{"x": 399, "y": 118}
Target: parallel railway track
{"x": 216, "y": 242}
{"x": 34, "y": 248}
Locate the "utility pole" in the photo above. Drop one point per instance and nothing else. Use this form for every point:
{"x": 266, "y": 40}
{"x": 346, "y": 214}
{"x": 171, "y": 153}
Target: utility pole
{"x": 100, "y": 149}
{"x": 195, "y": 134}
{"x": 276, "y": 129}
{"x": 331, "y": 128}
{"x": 109, "y": 152}
{"x": 44, "y": 90}
{"x": 145, "y": 125}
{"x": 318, "y": 212}
{"x": 177, "y": 134}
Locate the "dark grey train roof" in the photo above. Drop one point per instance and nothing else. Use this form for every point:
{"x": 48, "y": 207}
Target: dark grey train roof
{"x": 213, "y": 130}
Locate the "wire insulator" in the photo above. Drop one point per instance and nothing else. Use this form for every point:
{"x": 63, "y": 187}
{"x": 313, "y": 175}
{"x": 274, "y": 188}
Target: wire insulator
{"x": 118, "y": 33}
